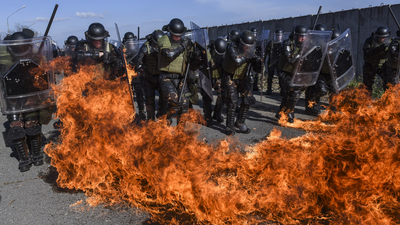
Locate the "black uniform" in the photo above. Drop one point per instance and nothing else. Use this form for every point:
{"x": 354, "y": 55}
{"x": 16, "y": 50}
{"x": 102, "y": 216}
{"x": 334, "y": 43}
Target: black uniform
{"x": 393, "y": 60}
{"x": 175, "y": 50}
{"x": 26, "y": 98}
{"x": 273, "y": 51}
{"x": 290, "y": 55}
{"x": 376, "y": 53}
{"x": 323, "y": 86}
{"x": 239, "y": 60}
{"x": 106, "y": 55}
{"x": 216, "y": 53}
{"x": 147, "y": 69}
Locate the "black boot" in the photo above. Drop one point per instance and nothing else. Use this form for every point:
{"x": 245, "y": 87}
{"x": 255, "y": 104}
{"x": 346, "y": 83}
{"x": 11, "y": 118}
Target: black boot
{"x": 217, "y": 111}
{"x": 151, "y": 112}
{"x": 35, "y": 144}
{"x": 230, "y": 121}
{"x": 240, "y": 123}
{"x": 207, "y": 113}
{"x": 291, "y": 117}
{"x": 255, "y": 85}
{"x": 313, "y": 110}
{"x": 25, "y": 162}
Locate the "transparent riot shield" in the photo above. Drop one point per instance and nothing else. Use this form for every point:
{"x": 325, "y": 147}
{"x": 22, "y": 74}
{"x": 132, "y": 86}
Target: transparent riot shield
{"x": 115, "y": 43}
{"x": 25, "y": 80}
{"x": 200, "y": 38}
{"x": 341, "y": 62}
{"x": 132, "y": 48}
{"x": 264, "y": 40}
{"x": 312, "y": 56}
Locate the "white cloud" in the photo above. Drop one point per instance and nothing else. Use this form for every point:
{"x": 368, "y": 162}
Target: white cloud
{"x": 88, "y": 15}
{"x": 42, "y": 19}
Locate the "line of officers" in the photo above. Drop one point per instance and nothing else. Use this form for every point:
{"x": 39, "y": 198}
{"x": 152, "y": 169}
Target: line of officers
{"x": 166, "y": 63}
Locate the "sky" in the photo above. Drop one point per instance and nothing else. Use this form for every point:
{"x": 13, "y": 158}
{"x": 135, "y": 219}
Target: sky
{"x": 73, "y": 17}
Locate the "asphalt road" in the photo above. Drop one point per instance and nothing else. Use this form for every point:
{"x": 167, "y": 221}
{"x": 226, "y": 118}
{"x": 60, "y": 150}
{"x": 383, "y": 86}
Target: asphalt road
{"x": 33, "y": 197}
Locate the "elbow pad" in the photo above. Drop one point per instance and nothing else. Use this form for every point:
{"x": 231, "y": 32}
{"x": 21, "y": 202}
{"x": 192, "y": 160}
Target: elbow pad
{"x": 240, "y": 60}
{"x": 173, "y": 53}
{"x": 294, "y": 58}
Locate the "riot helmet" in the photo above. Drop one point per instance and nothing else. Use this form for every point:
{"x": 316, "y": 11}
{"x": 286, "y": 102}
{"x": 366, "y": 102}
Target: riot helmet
{"x": 156, "y": 35}
{"x": 381, "y": 35}
{"x": 128, "y": 36}
{"x": 96, "y": 34}
{"x": 28, "y": 32}
{"x": 176, "y": 27}
{"x": 254, "y": 30}
{"x": 278, "y": 35}
{"x": 335, "y": 34}
{"x": 19, "y": 49}
{"x": 71, "y": 41}
{"x": 220, "y": 46}
{"x": 247, "y": 44}
{"x": 96, "y": 31}
{"x": 299, "y": 34}
{"x": 234, "y": 35}
{"x": 320, "y": 27}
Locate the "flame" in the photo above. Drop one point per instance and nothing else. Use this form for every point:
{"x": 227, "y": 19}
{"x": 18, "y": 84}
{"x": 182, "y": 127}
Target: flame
{"x": 343, "y": 171}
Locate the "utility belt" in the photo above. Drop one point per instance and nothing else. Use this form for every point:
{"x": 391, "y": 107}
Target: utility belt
{"x": 171, "y": 75}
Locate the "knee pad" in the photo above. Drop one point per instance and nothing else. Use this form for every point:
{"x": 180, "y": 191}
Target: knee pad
{"x": 16, "y": 133}
{"x": 34, "y": 130}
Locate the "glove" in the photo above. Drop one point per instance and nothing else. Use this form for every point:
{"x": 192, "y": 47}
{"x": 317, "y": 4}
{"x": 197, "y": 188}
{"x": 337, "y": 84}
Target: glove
{"x": 294, "y": 59}
{"x": 185, "y": 43}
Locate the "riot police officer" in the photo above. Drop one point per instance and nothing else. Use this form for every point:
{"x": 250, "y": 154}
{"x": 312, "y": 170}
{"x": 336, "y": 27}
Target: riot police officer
{"x": 240, "y": 58}
{"x": 273, "y": 51}
{"x": 70, "y": 45}
{"x": 393, "y": 60}
{"x": 132, "y": 47}
{"x": 128, "y": 36}
{"x": 290, "y": 55}
{"x": 174, "y": 60}
{"x": 97, "y": 50}
{"x": 147, "y": 68}
{"x": 216, "y": 51}
{"x": 25, "y": 103}
{"x": 234, "y": 35}
{"x": 324, "y": 84}
{"x": 375, "y": 52}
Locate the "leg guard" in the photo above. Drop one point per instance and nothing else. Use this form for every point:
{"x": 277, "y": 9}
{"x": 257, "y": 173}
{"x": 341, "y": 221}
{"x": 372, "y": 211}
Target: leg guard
{"x": 17, "y": 135}
{"x": 240, "y": 123}
{"x": 34, "y": 134}
{"x": 217, "y": 111}
{"x": 230, "y": 120}
{"x": 207, "y": 110}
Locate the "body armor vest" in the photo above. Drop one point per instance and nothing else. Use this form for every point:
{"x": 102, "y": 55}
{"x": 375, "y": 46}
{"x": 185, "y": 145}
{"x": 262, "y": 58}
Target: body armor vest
{"x": 377, "y": 59}
{"x": 151, "y": 61}
{"x": 178, "y": 65}
{"x": 284, "y": 63}
{"x": 392, "y": 61}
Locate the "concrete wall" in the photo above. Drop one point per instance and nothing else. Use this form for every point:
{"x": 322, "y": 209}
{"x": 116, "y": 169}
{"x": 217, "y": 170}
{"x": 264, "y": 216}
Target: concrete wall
{"x": 361, "y": 22}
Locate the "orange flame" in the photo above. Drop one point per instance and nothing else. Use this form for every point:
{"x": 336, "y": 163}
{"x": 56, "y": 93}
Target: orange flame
{"x": 345, "y": 172}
